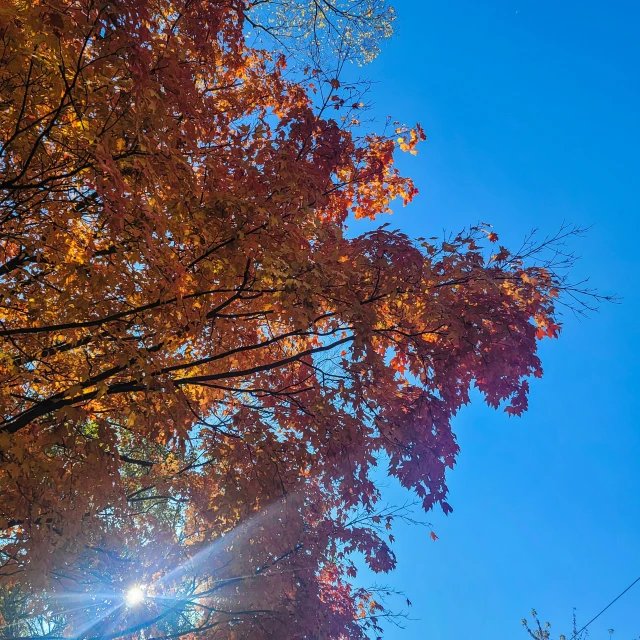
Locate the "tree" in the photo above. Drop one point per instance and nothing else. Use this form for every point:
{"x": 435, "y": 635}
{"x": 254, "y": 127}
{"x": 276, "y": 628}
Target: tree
{"x": 198, "y": 368}
{"x": 539, "y": 631}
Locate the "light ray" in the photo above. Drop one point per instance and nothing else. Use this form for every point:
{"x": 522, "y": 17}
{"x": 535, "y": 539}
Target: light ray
{"x": 84, "y": 630}
{"x": 207, "y": 554}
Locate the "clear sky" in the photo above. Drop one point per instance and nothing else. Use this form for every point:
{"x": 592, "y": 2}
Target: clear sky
{"x": 532, "y": 113}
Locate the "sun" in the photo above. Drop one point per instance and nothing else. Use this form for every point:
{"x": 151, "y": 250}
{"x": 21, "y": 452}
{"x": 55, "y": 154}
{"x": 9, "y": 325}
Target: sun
{"x": 134, "y": 596}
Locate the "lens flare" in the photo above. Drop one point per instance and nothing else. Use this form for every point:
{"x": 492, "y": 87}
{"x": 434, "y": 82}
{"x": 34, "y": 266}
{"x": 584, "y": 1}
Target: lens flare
{"x": 134, "y": 596}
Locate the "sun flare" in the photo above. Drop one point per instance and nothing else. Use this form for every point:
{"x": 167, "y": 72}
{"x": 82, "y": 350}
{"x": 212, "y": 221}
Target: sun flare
{"x": 134, "y": 596}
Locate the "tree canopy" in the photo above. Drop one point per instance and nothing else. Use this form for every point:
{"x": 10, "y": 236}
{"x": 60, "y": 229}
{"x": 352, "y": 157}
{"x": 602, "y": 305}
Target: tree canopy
{"x": 199, "y": 367}
{"x": 320, "y": 29}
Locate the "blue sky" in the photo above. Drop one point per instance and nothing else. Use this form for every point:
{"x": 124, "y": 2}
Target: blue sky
{"x": 531, "y": 110}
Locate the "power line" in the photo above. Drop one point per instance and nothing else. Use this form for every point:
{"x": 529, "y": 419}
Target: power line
{"x": 575, "y": 635}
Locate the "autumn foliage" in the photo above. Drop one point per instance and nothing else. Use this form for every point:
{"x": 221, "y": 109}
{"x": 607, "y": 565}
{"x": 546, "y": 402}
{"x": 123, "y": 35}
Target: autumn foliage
{"x": 198, "y": 367}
